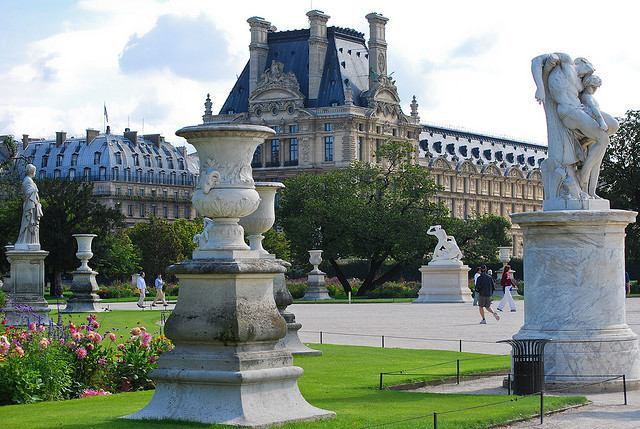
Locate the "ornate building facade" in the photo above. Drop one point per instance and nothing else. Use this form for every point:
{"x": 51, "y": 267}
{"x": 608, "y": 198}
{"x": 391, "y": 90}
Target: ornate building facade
{"x": 327, "y": 94}
{"x": 141, "y": 176}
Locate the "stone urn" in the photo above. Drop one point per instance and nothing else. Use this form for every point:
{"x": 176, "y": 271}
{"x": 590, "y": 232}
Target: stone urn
{"x": 316, "y": 289}
{"x": 84, "y": 252}
{"x": 261, "y": 220}
{"x": 315, "y": 259}
{"x": 226, "y": 190}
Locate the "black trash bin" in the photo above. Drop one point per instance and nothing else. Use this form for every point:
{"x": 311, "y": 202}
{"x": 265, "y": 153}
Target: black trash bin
{"x": 527, "y": 357}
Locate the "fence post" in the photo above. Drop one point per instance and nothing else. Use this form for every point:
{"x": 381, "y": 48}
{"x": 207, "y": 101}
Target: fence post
{"x": 457, "y": 371}
{"x": 383, "y": 341}
{"x": 380, "y": 381}
{"x": 509, "y": 384}
{"x": 320, "y": 337}
{"x": 460, "y": 347}
{"x": 541, "y": 406}
{"x": 435, "y": 420}
{"x": 624, "y": 388}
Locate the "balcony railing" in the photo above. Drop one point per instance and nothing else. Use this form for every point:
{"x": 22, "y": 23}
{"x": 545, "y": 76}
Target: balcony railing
{"x": 189, "y": 180}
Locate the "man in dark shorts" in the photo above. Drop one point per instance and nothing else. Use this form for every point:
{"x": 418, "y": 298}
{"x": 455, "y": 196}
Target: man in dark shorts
{"x": 484, "y": 288}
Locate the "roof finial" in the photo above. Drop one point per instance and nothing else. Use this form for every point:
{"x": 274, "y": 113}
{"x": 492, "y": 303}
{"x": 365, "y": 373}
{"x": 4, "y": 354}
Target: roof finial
{"x": 208, "y": 115}
{"x": 414, "y": 109}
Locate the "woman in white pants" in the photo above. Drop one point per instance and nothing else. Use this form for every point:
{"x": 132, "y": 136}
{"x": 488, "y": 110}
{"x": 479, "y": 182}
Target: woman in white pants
{"x": 507, "y": 284}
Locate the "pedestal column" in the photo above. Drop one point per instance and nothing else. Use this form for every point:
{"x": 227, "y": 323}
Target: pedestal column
{"x": 84, "y": 286}
{"x": 574, "y": 293}
{"x": 444, "y": 281}
{"x": 26, "y": 288}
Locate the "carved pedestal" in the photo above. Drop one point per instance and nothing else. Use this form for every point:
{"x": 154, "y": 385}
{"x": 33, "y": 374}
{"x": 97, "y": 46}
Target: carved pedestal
{"x": 444, "y": 281}
{"x": 575, "y": 295}
{"x": 84, "y": 298}
{"x": 226, "y": 367}
{"x": 26, "y": 288}
{"x": 317, "y": 289}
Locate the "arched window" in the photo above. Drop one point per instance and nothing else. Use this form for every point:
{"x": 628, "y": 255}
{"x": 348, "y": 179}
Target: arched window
{"x": 158, "y": 162}
{"x": 183, "y": 180}
{"x": 151, "y": 176}
{"x": 96, "y": 158}
{"x": 147, "y": 161}
{"x": 127, "y": 174}
{"x": 115, "y": 173}
{"x": 72, "y": 173}
{"x": 74, "y": 159}
{"x": 87, "y": 174}
{"x": 118, "y": 158}
{"x": 45, "y": 160}
{"x": 136, "y": 161}
{"x": 170, "y": 163}
{"x": 56, "y": 174}
{"x": 172, "y": 180}
{"x": 59, "y": 160}
{"x": 162, "y": 177}
{"x": 181, "y": 164}
{"x": 138, "y": 175}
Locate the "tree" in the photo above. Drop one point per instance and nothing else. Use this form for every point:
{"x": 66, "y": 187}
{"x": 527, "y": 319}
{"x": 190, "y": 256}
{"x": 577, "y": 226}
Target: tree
{"x": 620, "y": 178}
{"x": 70, "y": 208}
{"x": 375, "y": 211}
{"x": 185, "y": 230}
{"x": 116, "y": 256}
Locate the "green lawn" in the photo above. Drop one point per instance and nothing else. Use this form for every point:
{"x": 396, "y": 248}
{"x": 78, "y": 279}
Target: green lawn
{"x": 344, "y": 380}
{"x": 118, "y": 321}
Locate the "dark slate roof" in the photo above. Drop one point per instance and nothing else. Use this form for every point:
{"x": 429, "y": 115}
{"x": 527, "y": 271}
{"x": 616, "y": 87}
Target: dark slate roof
{"x": 347, "y": 59}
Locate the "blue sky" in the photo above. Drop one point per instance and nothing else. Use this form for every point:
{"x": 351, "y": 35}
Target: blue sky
{"x": 466, "y": 61}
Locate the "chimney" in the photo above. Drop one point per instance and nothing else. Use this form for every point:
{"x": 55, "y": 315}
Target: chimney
{"x": 258, "y": 49}
{"x": 132, "y": 136}
{"x": 414, "y": 110}
{"x": 156, "y": 139}
{"x": 182, "y": 150}
{"x": 91, "y": 134}
{"x": 61, "y": 136}
{"x": 317, "y": 49}
{"x": 377, "y": 48}
{"x": 25, "y": 141}
{"x": 108, "y": 130}
{"x": 208, "y": 114}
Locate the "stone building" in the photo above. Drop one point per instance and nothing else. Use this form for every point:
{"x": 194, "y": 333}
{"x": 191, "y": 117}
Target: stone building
{"x": 327, "y": 94}
{"x": 142, "y": 176}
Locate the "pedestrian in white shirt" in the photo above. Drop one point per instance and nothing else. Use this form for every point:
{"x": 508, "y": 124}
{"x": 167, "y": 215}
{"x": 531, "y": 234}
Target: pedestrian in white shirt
{"x": 159, "y": 292}
{"x": 142, "y": 288}
{"x": 475, "y": 281}
{"x": 507, "y": 282}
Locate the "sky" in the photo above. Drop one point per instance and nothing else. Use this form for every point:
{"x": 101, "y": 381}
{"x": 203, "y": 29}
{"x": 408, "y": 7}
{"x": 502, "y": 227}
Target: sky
{"x": 152, "y": 62}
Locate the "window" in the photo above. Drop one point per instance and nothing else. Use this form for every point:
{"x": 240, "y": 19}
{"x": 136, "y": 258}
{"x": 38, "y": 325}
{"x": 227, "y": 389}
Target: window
{"x": 142, "y": 211}
{"x": 293, "y": 129}
{"x": 103, "y": 173}
{"x": 165, "y": 212}
{"x": 115, "y": 173}
{"x": 147, "y": 161}
{"x": 328, "y": 126}
{"x": 138, "y": 175}
{"x": 293, "y": 149}
{"x": 176, "y": 211}
{"x": 56, "y": 174}
{"x": 360, "y": 127}
{"x": 187, "y": 212}
{"x": 328, "y": 148}
{"x": 59, "y": 160}
{"x": 154, "y": 211}
{"x": 164, "y": 194}
{"x": 141, "y": 192}
{"x": 72, "y": 173}
{"x": 277, "y": 129}
{"x": 74, "y": 159}
{"x": 181, "y": 164}
{"x": 162, "y": 177}
{"x": 130, "y": 210}
{"x": 170, "y": 163}
{"x": 45, "y": 159}
{"x": 87, "y": 173}
{"x": 127, "y": 174}
{"x": 42, "y": 174}
{"x": 394, "y": 132}
{"x": 136, "y": 161}
{"x": 130, "y": 192}
{"x": 377, "y": 129}
{"x": 153, "y": 193}
{"x": 96, "y": 158}
{"x": 172, "y": 178}
{"x": 150, "y": 176}
{"x": 183, "y": 179}
{"x": 118, "y": 158}
{"x": 275, "y": 152}
{"x": 158, "y": 162}
{"x": 360, "y": 154}
{"x": 118, "y": 191}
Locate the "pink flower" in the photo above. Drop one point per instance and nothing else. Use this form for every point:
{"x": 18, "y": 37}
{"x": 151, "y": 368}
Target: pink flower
{"x": 81, "y": 353}
{"x": 90, "y": 346}
{"x": 93, "y": 392}
{"x": 102, "y": 361}
{"x": 97, "y": 338}
{"x": 19, "y": 350}
{"x": 152, "y": 359}
{"x": 4, "y": 348}
{"x": 41, "y": 328}
{"x": 120, "y": 346}
{"x": 135, "y": 331}
{"x": 71, "y": 344}
{"x": 145, "y": 339}
{"x": 77, "y": 335}
{"x": 32, "y": 326}
{"x": 44, "y": 343}
{"x": 112, "y": 336}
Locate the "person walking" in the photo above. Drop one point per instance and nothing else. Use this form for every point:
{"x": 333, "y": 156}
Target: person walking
{"x": 475, "y": 280}
{"x": 142, "y": 288}
{"x": 159, "y": 292}
{"x": 485, "y": 287}
{"x": 507, "y": 284}
{"x": 627, "y": 283}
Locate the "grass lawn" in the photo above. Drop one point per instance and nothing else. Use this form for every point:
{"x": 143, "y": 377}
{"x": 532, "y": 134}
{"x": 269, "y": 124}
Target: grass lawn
{"x": 119, "y": 322}
{"x": 344, "y": 380}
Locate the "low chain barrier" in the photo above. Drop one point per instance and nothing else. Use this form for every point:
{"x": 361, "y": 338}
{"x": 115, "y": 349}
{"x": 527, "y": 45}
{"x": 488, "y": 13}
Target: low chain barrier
{"x": 437, "y": 415}
{"x": 384, "y": 338}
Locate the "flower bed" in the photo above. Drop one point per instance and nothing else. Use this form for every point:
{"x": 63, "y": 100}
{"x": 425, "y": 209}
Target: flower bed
{"x": 54, "y": 362}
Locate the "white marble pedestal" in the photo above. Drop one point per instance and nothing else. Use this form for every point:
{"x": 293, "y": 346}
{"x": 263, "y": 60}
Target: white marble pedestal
{"x": 574, "y": 279}
{"x": 226, "y": 367}
{"x": 444, "y": 281}
{"x": 26, "y": 288}
{"x": 84, "y": 298}
{"x": 317, "y": 289}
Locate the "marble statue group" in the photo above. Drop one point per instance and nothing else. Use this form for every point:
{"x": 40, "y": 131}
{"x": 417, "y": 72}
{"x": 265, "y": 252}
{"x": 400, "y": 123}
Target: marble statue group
{"x": 578, "y": 131}
{"x": 29, "y": 237}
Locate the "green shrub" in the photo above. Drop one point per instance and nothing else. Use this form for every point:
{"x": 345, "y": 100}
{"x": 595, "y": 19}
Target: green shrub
{"x": 396, "y": 290}
{"x": 3, "y": 299}
{"x": 635, "y": 287}
{"x": 520, "y": 287}
{"x": 117, "y": 290}
{"x": 297, "y": 287}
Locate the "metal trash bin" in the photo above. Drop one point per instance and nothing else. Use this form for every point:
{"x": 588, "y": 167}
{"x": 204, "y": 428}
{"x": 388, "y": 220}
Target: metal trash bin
{"x": 527, "y": 359}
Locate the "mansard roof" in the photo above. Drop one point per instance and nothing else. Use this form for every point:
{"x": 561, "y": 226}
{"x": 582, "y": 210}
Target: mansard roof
{"x": 108, "y": 152}
{"x": 347, "y": 61}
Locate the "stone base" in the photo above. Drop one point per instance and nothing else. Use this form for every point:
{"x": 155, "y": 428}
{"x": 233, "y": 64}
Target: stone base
{"x": 575, "y": 296}
{"x": 444, "y": 283}
{"x": 292, "y": 342}
{"x": 226, "y": 368}
{"x": 84, "y": 299}
{"x": 317, "y": 289}
{"x": 27, "y": 287}
{"x": 563, "y": 204}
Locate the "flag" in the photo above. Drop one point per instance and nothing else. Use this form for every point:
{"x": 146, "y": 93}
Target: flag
{"x": 106, "y": 115}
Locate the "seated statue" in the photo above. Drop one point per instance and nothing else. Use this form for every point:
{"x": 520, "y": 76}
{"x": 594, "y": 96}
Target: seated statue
{"x": 447, "y": 249}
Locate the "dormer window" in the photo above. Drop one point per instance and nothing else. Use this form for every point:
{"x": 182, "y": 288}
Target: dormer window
{"x": 118, "y": 158}
{"x": 96, "y": 158}
{"x": 180, "y": 164}
{"x": 158, "y": 162}
{"x": 170, "y": 163}
{"x": 45, "y": 159}
{"x": 74, "y": 159}
{"x": 136, "y": 161}
{"x": 59, "y": 160}
{"x": 147, "y": 161}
